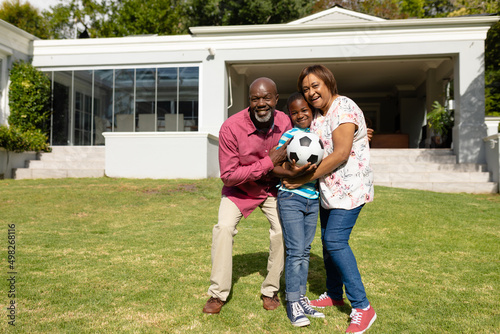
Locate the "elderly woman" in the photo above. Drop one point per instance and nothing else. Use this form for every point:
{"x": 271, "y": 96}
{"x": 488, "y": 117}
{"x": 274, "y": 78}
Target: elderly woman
{"x": 345, "y": 185}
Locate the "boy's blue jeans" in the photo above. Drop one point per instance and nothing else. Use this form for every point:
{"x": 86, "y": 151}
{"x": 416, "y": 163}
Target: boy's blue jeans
{"x": 340, "y": 263}
{"x": 299, "y": 218}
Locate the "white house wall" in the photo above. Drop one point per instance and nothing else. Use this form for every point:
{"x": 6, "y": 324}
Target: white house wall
{"x": 161, "y": 155}
{"x": 470, "y": 128}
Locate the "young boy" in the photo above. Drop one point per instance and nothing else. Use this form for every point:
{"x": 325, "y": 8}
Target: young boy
{"x": 298, "y": 210}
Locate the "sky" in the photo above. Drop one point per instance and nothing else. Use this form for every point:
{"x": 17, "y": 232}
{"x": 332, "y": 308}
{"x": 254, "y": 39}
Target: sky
{"x": 43, "y": 4}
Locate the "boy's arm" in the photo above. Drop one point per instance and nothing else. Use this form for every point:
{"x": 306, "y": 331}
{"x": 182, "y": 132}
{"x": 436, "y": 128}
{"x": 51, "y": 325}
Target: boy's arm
{"x": 290, "y": 170}
{"x": 279, "y": 171}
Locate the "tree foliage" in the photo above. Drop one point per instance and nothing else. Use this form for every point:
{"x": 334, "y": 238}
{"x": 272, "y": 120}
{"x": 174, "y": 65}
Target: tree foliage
{"x": 138, "y": 17}
{"x": 24, "y": 16}
{"x": 237, "y": 12}
{"x": 74, "y": 18}
{"x": 108, "y": 18}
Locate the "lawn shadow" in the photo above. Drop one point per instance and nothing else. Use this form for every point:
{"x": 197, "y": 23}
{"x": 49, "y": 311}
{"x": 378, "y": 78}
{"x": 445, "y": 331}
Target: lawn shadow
{"x": 247, "y": 264}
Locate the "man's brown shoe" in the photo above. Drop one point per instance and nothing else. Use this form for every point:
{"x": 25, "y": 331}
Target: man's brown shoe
{"x": 213, "y": 306}
{"x": 270, "y": 303}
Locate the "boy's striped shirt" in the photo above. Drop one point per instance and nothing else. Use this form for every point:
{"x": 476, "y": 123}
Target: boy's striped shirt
{"x": 309, "y": 189}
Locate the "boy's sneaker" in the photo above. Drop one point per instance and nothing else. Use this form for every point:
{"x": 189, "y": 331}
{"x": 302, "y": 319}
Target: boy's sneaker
{"x": 361, "y": 319}
{"x": 324, "y": 300}
{"x": 308, "y": 310}
{"x": 296, "y": 314}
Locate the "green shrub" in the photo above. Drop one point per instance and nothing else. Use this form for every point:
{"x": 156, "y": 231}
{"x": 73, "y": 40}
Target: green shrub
{"x": 29, "y": 98}
{"x": 29, "y": 102}
{"x": 492, "y": 92}
{"x": 440, "y": 119}
{"x": 15, "y": 140}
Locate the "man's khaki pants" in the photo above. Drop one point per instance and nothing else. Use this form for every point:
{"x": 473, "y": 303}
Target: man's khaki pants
{"x": 222, "y": 249}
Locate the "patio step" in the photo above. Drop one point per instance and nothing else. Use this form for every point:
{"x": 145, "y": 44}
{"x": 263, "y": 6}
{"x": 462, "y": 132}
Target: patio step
{"x": 65, "y": 161}
{"x": 429, "y": 169}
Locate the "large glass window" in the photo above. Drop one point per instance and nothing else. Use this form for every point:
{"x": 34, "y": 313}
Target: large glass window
{"x": 103, "y": 104}
{"x": 83, "y": 108}
{"x": 167, "y": 100}
{"x": 90, "y": 102}
{"x": 61, "y": 116}
{"x": 124, "y": 100}
{"x": 145, "y": 102}
{"x": 188, "y": 97}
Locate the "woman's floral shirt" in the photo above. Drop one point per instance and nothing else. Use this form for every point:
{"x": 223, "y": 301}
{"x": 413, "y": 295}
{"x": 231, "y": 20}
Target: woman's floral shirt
{"x": 351, "y": 184}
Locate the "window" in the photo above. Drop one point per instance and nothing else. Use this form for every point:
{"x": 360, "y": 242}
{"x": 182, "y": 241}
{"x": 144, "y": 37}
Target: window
{"x": 89, "y": 102}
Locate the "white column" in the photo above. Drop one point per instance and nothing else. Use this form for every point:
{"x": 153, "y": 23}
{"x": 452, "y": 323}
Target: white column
{"x": 213, "y": 94}
{"x": 469, "y": 129}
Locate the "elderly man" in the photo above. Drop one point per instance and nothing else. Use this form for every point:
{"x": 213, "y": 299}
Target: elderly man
{"x": 247, "y": 155}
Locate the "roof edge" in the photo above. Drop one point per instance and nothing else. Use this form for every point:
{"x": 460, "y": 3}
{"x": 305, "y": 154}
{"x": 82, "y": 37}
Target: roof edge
{"x": 384, "y": 24}
{"x": 337, "y": 9}
{"x": 17, "y": 30}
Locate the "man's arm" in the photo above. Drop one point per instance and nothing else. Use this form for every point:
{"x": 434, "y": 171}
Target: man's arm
{"x": 232, "y": 172}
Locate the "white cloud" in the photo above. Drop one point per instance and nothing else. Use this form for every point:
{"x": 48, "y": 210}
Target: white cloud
{"x": 44, "y": 4}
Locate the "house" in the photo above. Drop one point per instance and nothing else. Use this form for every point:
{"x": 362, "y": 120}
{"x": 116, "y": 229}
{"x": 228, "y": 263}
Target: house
{"x": 157, "y": 102}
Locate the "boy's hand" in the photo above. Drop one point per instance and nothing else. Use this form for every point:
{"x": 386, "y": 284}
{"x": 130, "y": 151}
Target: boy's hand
{"x": 297, "y": 171}
{"x": 294, "y": 183}
{"x": 369, "y": 133}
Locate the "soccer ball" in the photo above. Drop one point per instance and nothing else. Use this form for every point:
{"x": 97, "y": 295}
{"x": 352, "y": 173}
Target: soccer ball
{"x": 305, "y": 147}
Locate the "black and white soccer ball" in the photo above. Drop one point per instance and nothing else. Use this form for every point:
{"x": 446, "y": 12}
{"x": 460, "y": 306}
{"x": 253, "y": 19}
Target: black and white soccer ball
{"x": 305, "y": 147}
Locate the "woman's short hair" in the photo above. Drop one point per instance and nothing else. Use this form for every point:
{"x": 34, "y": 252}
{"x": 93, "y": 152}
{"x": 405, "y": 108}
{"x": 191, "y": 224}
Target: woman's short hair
{"x": 322, "y": 73}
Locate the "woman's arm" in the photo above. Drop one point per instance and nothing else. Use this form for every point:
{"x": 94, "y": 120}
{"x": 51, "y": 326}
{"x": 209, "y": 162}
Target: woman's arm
{"x": 342, "y": 137}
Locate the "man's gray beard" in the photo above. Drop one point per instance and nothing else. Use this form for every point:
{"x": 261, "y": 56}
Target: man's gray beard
{"x": 264, "y": 119}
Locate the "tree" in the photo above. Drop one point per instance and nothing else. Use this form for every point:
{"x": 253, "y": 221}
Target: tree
{"x": 74, "y": 17}
{"x": 24, "y": 16}
{"x": 239, "y": 12}
{"x": 137, "y": 17}
{"x": 438, "y": 8}
{"x": 108, "y": 18}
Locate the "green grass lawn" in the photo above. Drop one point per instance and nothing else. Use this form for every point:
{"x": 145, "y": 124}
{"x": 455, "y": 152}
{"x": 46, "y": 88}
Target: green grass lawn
{"x": 133, "y": 256}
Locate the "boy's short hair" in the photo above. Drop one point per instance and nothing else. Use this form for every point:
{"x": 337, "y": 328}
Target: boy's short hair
{"x": 294, "y": 97}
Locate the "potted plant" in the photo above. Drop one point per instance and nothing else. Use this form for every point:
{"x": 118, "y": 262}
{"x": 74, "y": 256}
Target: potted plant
{"x": 441, "y": 121}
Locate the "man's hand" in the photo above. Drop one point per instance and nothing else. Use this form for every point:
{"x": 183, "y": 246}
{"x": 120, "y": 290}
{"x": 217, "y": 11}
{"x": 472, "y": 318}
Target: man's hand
{"x": 278, "y": 155}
